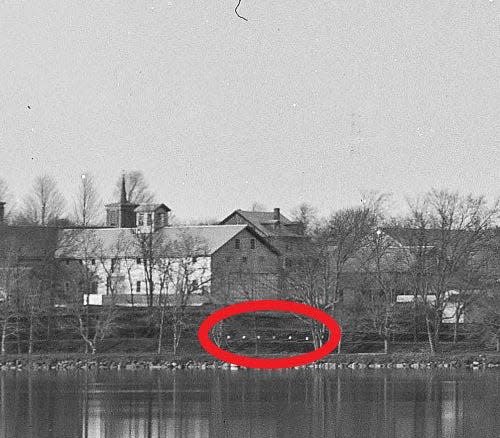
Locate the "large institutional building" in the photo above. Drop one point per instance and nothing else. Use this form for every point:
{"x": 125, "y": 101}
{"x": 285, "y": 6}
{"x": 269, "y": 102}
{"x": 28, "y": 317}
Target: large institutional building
{"x": 139, "y": 257}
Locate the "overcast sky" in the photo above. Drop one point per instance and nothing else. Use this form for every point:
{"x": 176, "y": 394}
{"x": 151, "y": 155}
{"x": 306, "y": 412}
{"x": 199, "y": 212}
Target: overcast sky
{"x": 310, "y": 100}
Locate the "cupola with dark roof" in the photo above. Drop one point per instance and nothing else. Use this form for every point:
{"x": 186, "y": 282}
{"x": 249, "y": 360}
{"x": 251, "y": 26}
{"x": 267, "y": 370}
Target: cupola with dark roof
{"x": 121, "y": 214}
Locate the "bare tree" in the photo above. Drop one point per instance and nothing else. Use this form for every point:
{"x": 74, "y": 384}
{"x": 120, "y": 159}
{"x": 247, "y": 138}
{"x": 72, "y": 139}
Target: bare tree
{"x": 307, "y": 215}
{"x": 382, "y": 277}
{"x": 257, "y": 206}
{"x": 87, "y": 203}
{"x": 33, "y": 304}
{"x": 461, "y": 301}
{"x": 4, "y": 190}
{"x": 13, "y": 276}
{"x": 183, "y": 270}
{"x": 5, "y": 196}
{"x": 447, "y": 232}
{"x": 137, "y": 188}
{"x": 317, "y": 276}
{"x": 311, "y": 280}
{"x": 45, "y": 204}
{"x": 345, "y": 234}
{"x": 150, "y": 246}
{"x": 88, "y": 260}
{"x": 489, "y": 307}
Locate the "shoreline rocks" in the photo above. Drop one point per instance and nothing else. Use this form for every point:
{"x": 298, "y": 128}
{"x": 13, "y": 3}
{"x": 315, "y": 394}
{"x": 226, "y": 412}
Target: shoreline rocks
{"x": 353, "y": 362}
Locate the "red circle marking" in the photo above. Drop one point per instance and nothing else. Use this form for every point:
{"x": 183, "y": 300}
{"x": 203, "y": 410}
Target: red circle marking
{"x": 269, "y": 305}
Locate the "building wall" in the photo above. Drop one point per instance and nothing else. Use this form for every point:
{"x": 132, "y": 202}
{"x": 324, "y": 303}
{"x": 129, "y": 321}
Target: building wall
{"x": 289, "y": 246}
{"x": 246, "y": 272}
{"x": 128, "y": 276}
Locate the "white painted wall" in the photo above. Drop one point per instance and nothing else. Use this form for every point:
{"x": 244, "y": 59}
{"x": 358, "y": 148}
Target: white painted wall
{"x": 127, "y": 272}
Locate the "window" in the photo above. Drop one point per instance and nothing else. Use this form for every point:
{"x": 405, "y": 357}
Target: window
{"x": 113, "y": 264}
{"x": 112, "y": 218}
{"x": 252, "y": 243}
{"x": 139, "y": 260}
{"x": 244, "y": 259}
{"x": 108, "y": 284}
{"x": 237, "y": 244}
{"x": 140, "y": 219}
{"x": 161, "y": 219}
{"x": 138, "y": 287}
{"x": 92, "y": 262}
{"x": 194, "y": 284}
{"x": 67, "y": 262}
{"x": 149, "y": 219}
{"x": 93, "y": 287}
{"x": 66, "y": 286}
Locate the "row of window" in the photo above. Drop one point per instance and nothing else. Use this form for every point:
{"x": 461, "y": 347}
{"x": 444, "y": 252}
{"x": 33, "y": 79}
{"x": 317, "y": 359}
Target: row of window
{"x": 237, "y": 243}
{"x": 113, "y": 262}
{"x": 244, "y": 259}
{"x": 147, "y": 218}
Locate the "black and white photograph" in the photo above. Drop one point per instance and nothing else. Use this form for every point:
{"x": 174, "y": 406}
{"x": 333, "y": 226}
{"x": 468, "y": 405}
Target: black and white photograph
{"x": 249, "y": 219}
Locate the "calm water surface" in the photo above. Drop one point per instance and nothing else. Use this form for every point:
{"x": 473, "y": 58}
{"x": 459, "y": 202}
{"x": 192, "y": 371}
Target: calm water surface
{"x": 245, "y": 403}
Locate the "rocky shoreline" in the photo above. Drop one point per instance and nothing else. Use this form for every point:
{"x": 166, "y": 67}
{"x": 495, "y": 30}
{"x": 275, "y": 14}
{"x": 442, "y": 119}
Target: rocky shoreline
{"x": 407, "y": 361}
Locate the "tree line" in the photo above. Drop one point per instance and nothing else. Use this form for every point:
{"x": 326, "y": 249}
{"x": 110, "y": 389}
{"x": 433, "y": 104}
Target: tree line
{"x": 45, "y": 205}
{"x": 441, "y": 255}
{"x": 52, "y": 296}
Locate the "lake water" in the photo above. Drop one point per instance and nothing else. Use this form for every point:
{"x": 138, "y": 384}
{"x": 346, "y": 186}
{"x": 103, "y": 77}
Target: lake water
{"x": 249, "y": 403}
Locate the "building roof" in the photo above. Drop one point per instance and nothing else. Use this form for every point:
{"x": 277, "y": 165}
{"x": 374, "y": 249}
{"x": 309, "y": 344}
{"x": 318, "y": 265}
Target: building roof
{"x": 120, "y": 204}
{"x": 202, "y": 240}
{"x": 212, "y": 237}
{"x": 265, "y": 223}
{"x": 27, "y": 242}
{"x": 150, "y": 207}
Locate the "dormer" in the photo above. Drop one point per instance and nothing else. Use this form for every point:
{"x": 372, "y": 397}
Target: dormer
{"x": 151, "y": 217}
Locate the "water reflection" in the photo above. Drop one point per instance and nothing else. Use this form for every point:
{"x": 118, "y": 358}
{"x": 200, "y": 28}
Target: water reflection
{"x": 264, "y": 404}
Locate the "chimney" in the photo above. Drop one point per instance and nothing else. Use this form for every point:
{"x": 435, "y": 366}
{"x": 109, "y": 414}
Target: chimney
{"x": 276, "y": 215}
{"x": 2, "y": 212}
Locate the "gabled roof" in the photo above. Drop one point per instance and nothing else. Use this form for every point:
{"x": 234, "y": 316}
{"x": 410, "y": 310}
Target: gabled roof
{"x": 82, "y": 243}
{"x": 202, "y": 240}
{"x": 262, "y": 217}
{"x": 212, "y": 237}
{"x": 264, "y": 222}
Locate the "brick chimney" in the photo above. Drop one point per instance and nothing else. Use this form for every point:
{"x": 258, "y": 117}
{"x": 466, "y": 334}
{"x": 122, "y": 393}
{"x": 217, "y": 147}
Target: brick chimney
{"x": 276, "y": 215}
{"x": 2, "y": 212}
